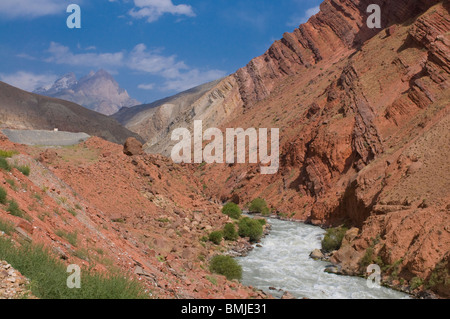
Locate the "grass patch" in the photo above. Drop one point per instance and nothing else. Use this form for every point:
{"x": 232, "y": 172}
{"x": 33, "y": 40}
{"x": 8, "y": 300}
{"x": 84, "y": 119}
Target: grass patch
{"x": 7, "y": 227}
{"x": 8, "y": 154}
{"x": 3, "y": 195}
{"x": 72, "y": 238}
{"x": 12, "y": 183}
{"x": 49, "y": 276}
{"x": 72, "y": 212}
{"x": 226, "y": 266}
{"x": 24, "y": 169}
{"x": 14, "y": 209}
{"x": 4, "y": 165}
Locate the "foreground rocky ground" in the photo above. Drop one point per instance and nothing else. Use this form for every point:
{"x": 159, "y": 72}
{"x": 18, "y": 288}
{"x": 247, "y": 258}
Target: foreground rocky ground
{"x": 96, "y": 207}
{"x": 12, "y": 284}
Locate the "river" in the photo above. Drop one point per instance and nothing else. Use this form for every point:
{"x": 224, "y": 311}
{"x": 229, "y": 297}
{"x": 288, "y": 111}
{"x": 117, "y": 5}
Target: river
{"x": 283, "y": 262}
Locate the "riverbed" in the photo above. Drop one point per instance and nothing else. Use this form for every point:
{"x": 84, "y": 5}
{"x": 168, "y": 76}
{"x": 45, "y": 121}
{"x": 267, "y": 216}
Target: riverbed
{"x": 283, "y": 263}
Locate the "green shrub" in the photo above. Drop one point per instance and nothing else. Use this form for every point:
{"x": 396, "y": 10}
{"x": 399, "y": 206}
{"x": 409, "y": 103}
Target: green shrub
{"x": 4, "y": 165}
{"x": 333, "y": 239}
{"x": 416, "y": 282}
{"x": 440, "y": 277}
{"x": 14, "y": 209}
{"x": 249, "y": 227}
{"x": 48, "y": 276}
{"x": 367, "y": 258}
{"x": 262, "y": 221}
{"x": 259, "y": 205}
{"x": 3, "y": 195}
{"x": 232, "y": 210}
{"x": 230, "y": 233}
{"x": 226, "y": 266}
{"x": 216, "y": 237}
{"x": 24, "y": 169}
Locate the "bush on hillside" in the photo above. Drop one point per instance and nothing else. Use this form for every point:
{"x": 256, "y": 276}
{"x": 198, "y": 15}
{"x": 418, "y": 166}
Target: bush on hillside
{"x": 226, "y": 266}
{"x": 232, "y": 210}
{"x": 251, "y": 228}
{"x": 230, "y": 233}
{"x": 216, "y": 237}
{"x": 333, "y": 239}
{"x": 259, "y": 205}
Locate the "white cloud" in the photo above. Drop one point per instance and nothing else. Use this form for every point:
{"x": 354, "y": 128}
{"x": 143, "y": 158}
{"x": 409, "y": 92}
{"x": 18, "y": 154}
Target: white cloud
{"x": 190, "y": 79}
{"x": 31, "y": 8}
{"x": 28, "y": 81}
{"x": 298, "y": 19}
{"x": 61, "y": 55}
{"x": 152, "y": 10}
{"x": 147, "y": 87}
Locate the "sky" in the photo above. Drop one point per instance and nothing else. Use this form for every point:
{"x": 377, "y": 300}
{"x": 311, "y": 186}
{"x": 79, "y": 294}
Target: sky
{"x": 153, "y": 48}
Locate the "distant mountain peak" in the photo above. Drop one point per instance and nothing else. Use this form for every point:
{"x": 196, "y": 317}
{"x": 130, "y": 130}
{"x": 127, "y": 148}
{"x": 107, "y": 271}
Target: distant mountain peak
{"x": 96, "y": 91}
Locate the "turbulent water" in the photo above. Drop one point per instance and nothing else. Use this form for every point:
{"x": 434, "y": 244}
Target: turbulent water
{"x": 283, "y": 263}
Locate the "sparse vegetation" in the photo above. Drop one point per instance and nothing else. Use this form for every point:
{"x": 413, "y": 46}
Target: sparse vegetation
{"x": 49, "y": 276}
{"x": 416, "y": 283}
{"x": 440, "y": 278}
{"x": 251, "y": 228}
{"x": 6, "y": 227}
{"x": 72, "y": 212}
{"x": 230, "y": 233}
{"x": 226, "y": 266}
{"x": 24, "y": 169}
{"x": 259, "y": 205}
{"x": 4, "y": 165}
{"x": 7, "y": 154}
{"x": 14, "y": 209}
{"x": 232, "y": 210}
{"x": 72, "y": 238}
{"x": 3, "y": 195}
{"x": 12, "y": 183}
{"x": 216, "y": 237}
{"x": 333, "y": 239}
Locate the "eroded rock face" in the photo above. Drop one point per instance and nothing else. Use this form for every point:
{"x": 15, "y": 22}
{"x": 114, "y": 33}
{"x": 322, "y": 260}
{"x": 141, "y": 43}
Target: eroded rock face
{"x": 364, "y": 119}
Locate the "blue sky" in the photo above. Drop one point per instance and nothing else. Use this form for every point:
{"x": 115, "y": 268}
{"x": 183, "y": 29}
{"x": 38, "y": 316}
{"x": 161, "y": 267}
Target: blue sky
{"x": 153, "y": 48}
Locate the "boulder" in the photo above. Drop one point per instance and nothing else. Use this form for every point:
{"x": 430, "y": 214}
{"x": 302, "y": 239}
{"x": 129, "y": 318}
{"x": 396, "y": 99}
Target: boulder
{"x": 132, "y": 147}
{"x": 317, "y": 254}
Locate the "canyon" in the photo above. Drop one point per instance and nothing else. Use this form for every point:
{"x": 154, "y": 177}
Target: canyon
{"x": 363, "y": 117}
